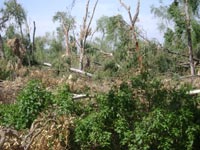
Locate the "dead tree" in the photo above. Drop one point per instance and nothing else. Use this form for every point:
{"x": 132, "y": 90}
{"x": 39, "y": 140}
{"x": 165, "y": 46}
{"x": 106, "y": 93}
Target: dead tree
{"x": 17, "y": 48}
{"x": 85, "y": 32}
{"x": 30, "y": 46}
{"x": 132, "y": 28}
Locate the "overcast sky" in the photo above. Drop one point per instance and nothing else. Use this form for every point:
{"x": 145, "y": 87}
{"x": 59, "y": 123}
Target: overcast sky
{"x": 42, "y": 12}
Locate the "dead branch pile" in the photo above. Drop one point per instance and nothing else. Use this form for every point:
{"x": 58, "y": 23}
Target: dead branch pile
{"x": 10, "y": 89}
{"x": 46, "y": 132}
{"x": 9, "y": 139}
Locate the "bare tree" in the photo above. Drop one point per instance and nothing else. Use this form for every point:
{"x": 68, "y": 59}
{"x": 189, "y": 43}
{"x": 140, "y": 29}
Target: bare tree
{"x": 189, "y": 36}
{"x": 85, "y": 32}
{"x": 133, "y": 20}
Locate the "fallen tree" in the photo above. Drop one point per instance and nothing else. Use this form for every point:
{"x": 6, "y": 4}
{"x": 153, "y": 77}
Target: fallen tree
{"x": 81, "y": 72}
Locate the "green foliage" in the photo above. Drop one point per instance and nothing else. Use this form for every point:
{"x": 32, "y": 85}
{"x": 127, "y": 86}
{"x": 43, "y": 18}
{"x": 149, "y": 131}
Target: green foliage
{"x": 9, "y": 114}
{"x": 31, "y": 101}
{"x": 162, "y": 129}
{"x": 141, "y": 115}
{"x": 175, "y": 38}
{"x": 4, "y": 72}
{"x": 111, "y": 66}
{"x": 100, "y": 129}
{"x": 13, "y": 10}
{"x": 66, "y": 105}
{"x": 164, "y": 64}
{"x": 114, "y": 31}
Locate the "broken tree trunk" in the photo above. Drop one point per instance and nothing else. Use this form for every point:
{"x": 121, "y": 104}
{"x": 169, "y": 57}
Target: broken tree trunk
{"x": 132, "y": 28}
{"x": 190, "y": 48}
{"x": 1, "y": 48}
{"x": 81, "y": 72}
{"x": 85, "y": 32}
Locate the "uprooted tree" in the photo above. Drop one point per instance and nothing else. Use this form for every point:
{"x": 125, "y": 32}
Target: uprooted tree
{"x": 14, "y": 22}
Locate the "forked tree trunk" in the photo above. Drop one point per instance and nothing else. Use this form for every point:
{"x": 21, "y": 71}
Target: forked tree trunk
{"x": 85, "y": 32}
{"x": 133, "y": 20}
{"x": 189, "y": 36}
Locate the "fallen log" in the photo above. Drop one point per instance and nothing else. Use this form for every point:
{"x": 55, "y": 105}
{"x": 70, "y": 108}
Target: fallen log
{"x": 81, "y": 72}
{"x": 189, "y": 76}
{"x": 79, "y": 96}
{"x": 193, "y": 92}
{"x": 106, "y": 53}
{"x": 47, "y": 64}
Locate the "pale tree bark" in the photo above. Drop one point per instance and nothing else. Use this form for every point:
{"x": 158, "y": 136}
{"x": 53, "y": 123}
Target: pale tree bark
{"x": 85, "y": 32}
{"x": 66, "y": 32}
{"x": 132, "y": 28}
{"x": 67, "y": 44}
{"x": 33, "y": 42}
{"x": 1, "y": 48}
{"x": 189, "y": 36}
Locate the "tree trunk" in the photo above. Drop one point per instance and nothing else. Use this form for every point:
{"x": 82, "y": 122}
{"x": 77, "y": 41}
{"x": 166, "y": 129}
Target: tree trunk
{"x": 85, "y": 32}
{"x": 81, "y": 58}
{"x": 34, "y": 30}
{"x": 67, "y": 43}
{"x": 190, "y": 48}
{"x": 66, "y": 30}
{"x": 1, "y": 48}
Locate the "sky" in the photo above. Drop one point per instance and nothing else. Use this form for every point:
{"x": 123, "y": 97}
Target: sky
{"x": 42, "y": 12}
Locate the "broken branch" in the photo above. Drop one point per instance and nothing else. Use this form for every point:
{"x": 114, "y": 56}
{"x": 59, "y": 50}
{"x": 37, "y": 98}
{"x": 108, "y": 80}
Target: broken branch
{"x": 81, "y": 72}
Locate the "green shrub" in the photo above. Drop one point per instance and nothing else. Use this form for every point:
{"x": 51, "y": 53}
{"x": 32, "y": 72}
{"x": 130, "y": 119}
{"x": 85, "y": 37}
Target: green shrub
{"x": 105, "y": 127}
{"x": 9, "y": 114}
{"x": 111, "y": 66}
{"x": 4, "y": 72}
{"x": 164, "y": 130}
{"x": 141, "y": 115}
{"x": 66, "y": 105}
{"x": 31, "y": 101}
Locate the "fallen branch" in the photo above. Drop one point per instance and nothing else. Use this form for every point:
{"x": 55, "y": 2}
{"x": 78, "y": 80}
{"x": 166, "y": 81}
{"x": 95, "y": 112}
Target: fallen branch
{"x": 97, "y": 63}
{"x": 190, "y": 76}
{"x": 37, "y": 133}
{"x": 107, "y": 54}
{"x": 193, "y": 92}
{"x": 7, "y": 132}
{"x": 47, "y": 64}
{"x": 176, "y": 53}
{"x": 81, "y": 72}
{"x": 79, "y": 96}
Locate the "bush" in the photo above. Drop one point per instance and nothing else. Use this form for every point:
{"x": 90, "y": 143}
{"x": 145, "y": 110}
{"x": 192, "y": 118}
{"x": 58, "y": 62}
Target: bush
{"x": 66, "y": 105}
{"x": 162, "y": 129}
{"x": 9, "y": 114}
{"x": 105, "y": 128}
{"x": 31, "y": 101}
{"x": 4, "y": 72}
{"x": 141, "y": 115}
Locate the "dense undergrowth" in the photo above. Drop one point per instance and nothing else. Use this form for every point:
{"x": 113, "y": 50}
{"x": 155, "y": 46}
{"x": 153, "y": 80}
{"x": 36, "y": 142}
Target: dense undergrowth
{"x": 139, "y": 114}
